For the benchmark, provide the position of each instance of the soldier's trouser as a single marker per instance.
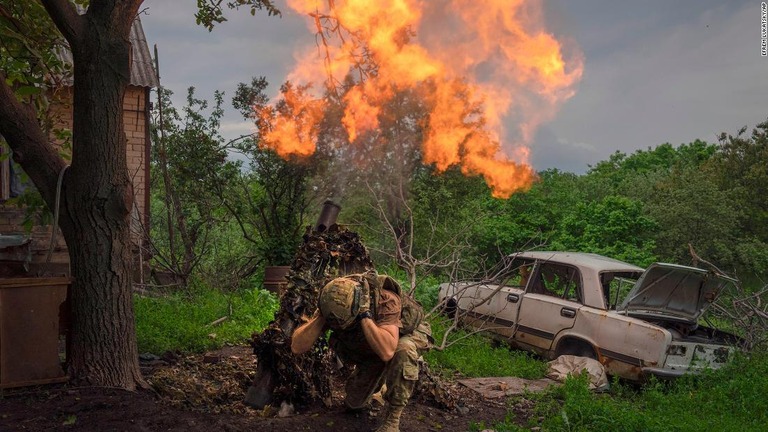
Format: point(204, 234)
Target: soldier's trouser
point(399, 374)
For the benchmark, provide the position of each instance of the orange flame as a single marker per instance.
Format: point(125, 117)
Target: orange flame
point(293, 128)
point(495, 53)
point(360, 114)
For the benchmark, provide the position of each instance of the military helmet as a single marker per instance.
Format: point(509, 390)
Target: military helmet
point(339, 302)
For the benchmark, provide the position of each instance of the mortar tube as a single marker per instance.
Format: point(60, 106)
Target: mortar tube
point(328, 216)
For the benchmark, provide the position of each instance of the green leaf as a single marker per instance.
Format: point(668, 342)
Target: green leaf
point(70, 420)
point(28, 91)
point(27, 224)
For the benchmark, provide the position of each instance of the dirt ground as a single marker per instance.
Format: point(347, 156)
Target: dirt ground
point(203, 393)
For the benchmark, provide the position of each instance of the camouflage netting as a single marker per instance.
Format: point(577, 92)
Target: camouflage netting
point(306, 378)
point(430, 389)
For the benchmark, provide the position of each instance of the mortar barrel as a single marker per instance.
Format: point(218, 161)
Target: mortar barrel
point(328, 216)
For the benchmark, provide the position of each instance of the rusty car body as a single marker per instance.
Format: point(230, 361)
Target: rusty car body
point(637, 322)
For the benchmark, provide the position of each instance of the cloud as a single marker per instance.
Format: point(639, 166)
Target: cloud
point(688, 80)
point(656, 71)
point(236, 50)
point(554, 152)
point(237, 128)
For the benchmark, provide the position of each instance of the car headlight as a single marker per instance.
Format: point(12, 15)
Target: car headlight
point(677, 350)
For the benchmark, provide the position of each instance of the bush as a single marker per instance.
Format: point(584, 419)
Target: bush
point(181, 322)
point(427, 286)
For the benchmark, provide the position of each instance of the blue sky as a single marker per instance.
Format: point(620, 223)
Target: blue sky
point(654, 72)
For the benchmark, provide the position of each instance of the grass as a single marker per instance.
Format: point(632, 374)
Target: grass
point(730, 399)
point(476, 355)
point(181, 322)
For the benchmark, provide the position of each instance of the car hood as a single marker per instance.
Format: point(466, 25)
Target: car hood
point(675, 292)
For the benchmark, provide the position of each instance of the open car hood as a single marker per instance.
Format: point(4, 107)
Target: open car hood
point(669, 291)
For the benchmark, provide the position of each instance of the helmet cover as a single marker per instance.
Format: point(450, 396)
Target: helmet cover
point(339, 302)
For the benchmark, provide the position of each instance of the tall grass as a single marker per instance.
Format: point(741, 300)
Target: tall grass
point(181, 322)
point(476, 355)
point(730, 399)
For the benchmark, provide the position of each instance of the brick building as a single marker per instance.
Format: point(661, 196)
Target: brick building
point(22, 251)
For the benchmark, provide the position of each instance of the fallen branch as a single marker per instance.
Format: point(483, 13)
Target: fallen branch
point(218, 321)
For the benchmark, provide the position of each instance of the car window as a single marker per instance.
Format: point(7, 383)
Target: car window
point(557, 280)
point(616, 286)
point(518, 274)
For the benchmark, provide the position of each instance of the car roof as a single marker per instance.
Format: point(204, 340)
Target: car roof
point(594, 262)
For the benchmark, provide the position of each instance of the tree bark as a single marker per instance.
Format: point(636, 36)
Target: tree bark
point(97, 194)
point(98, 200)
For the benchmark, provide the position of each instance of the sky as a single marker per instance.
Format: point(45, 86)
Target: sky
point(655, 71)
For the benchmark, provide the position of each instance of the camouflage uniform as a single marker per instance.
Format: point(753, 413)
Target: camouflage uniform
point(399, 374)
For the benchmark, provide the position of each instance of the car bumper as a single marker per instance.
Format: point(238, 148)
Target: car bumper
point(662, 373)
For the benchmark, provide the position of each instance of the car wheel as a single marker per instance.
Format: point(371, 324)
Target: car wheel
point(577, 348)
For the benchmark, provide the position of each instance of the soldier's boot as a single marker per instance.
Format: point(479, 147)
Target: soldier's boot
point(391, 420)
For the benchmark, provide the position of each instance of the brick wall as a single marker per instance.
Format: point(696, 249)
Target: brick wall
point(136, 125)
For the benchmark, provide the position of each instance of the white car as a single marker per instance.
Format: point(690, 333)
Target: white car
point(636, 322)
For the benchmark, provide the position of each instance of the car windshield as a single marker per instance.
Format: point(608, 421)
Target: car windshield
point(616, 286)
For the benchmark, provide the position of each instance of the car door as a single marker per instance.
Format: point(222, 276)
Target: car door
point(493, 306)
point(506, 301)
point(504, 309)
point(549, 305)
point(475, 303)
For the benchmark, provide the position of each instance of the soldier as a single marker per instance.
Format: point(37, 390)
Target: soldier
point(383, 339)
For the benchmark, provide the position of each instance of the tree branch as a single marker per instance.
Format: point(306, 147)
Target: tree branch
point(20, 128)
point(66, 18)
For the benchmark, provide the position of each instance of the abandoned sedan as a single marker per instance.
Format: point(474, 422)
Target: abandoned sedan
point(636, 322)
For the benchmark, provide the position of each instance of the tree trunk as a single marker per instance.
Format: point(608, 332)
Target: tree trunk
point(98, 198)
point(96, 194)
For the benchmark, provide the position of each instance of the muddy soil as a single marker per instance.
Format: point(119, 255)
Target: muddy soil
point(203, 393)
